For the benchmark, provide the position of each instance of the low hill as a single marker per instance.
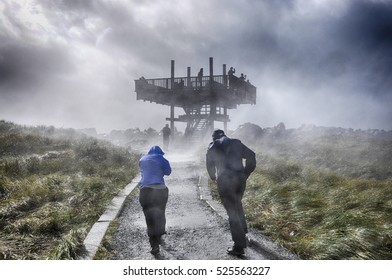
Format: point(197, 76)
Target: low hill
point(54, 184)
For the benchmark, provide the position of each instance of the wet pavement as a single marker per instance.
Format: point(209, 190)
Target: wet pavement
point(197, 228)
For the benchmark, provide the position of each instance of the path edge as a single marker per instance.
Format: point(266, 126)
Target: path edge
point(98, 230)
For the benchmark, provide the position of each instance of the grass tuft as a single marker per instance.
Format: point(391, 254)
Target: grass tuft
point(70, 247)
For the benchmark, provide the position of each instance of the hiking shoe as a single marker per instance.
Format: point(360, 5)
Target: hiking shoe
point(155, 250)
point(235, 251)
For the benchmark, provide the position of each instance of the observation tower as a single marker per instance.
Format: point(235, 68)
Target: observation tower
point(203, 99)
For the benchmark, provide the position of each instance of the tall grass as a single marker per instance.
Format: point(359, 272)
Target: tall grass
point(53, 189)
point(318, 213)
point(70, 247)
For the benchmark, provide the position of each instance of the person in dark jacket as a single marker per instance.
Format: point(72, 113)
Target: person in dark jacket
point(224, 166)
point(154, 194)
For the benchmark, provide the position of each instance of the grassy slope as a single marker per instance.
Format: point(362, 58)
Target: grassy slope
point(324, 195)
point(54, 184)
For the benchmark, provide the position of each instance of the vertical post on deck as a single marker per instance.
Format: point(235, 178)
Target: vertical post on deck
point(172, 75)
point(213, 103)
point(211, 69)
point(225, 108)
point(224, 75)
point(225, 122)
point(172, 105)
point(189, 77)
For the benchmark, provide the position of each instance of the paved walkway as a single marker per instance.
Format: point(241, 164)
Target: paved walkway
point(197, 226)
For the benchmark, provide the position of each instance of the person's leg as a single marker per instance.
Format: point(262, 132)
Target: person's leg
point(227, 188)
point(240, 192)
point(154, 202)
point(165, 143)
point(147, 206)
point(151, 214)
point(236, 226)
point(241, 214)
point(161, 197)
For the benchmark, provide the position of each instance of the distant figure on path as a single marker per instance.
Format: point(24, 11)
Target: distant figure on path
point(154, 194)
point(166, 131)
point(225, 167)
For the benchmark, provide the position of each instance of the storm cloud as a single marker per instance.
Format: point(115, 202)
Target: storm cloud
point(73, 63)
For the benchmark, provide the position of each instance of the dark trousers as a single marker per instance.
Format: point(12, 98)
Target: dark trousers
point(231, 188)
point(153, 202)
point(166, 141)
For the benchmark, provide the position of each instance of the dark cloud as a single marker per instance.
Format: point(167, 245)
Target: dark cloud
point(23, 67)
point(367, 26)
point(327, 63)
point(366, 32)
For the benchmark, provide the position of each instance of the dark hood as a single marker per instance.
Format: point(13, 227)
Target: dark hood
point(224, 139)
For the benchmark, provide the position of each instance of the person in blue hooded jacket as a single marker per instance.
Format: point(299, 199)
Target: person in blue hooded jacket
point(154, 194)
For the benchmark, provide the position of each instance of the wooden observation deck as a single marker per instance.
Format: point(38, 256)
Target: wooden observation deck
point(204, 99)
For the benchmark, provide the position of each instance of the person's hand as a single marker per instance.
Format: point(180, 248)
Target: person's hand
point(214, 180)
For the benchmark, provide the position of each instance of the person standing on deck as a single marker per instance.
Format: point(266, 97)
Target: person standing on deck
point(200, 78)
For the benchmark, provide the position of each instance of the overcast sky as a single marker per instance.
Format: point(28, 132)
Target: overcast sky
point(73, 63)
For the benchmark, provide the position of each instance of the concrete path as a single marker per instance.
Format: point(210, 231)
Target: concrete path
point(197, 226)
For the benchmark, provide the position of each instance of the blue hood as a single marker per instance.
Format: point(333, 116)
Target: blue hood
point(153, 167)
point(155, 150)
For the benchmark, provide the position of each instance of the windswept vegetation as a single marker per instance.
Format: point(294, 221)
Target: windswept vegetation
point(54, 184)
point(323, 193)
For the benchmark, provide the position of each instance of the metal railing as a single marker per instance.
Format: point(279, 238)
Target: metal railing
point(235, 85)
point(199, 82)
